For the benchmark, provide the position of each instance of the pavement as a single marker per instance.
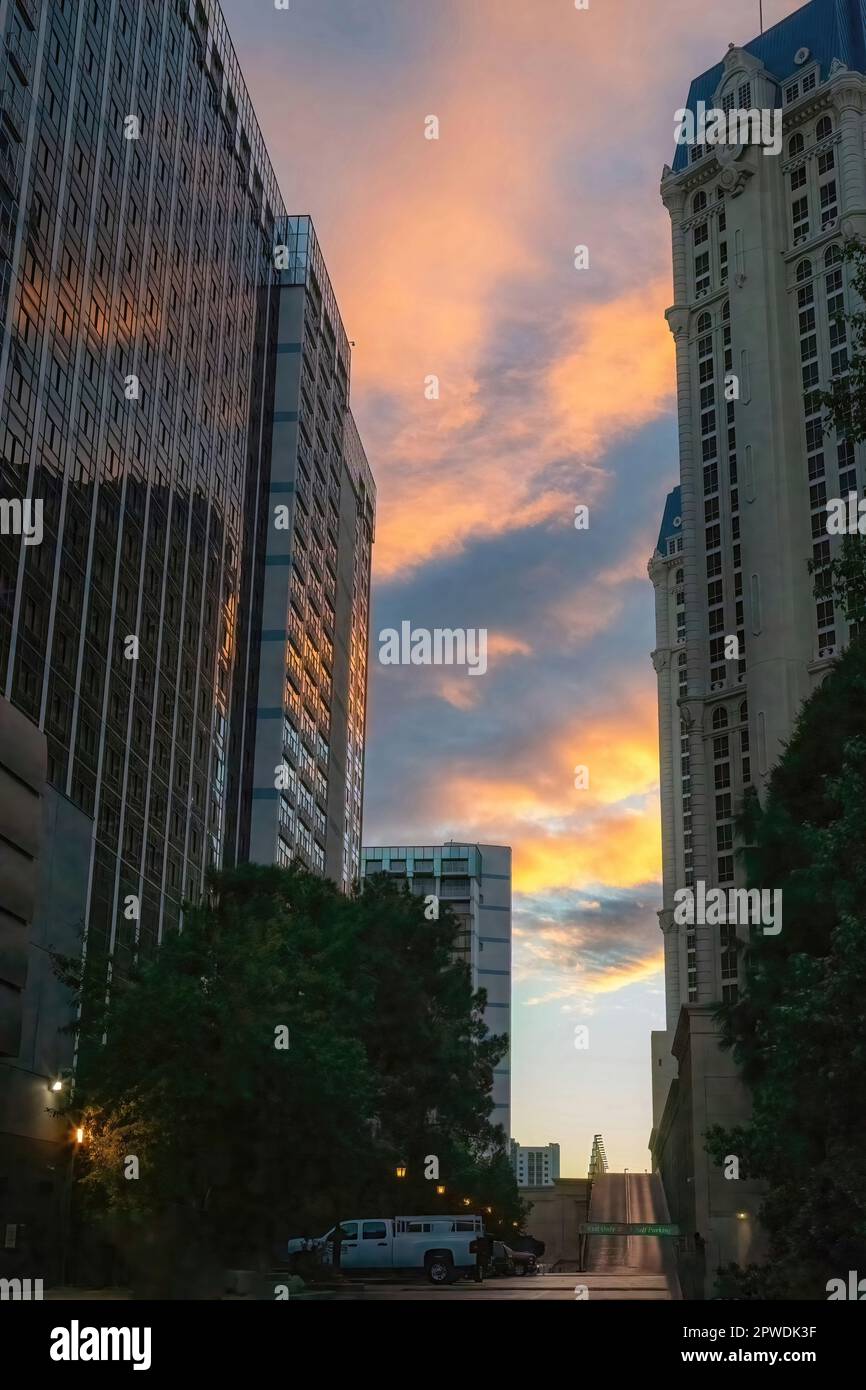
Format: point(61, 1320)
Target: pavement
point(631, 1197)
point(624, 1284)
point(71, 1293)
point(612, 1284)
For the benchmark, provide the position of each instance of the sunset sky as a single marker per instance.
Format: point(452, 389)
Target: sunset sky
point(455, 257)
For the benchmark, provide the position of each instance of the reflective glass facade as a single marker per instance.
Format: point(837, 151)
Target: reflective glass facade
point(140, 313)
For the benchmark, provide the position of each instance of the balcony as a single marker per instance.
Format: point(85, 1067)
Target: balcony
point(455, 888)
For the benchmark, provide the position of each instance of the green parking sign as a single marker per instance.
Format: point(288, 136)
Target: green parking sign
point(626, 1228)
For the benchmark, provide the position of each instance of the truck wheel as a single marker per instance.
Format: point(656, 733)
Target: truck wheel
point(440, 1269)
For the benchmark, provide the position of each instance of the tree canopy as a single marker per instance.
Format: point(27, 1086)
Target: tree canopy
point(274, 1062)
point(798, 1030)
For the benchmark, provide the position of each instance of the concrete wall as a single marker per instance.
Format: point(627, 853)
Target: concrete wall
point(723, 1211)
point(23, 763)
point(555, 1216)
point(34, 1145)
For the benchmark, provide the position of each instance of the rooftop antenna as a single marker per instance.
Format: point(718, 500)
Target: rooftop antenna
point(761, 14)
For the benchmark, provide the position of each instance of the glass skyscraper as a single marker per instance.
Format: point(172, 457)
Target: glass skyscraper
point(174, 413)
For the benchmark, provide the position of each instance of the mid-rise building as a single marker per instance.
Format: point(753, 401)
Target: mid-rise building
point(186, 512)
point(475, 883)
point(535, 1165)
point(741, 638)
point(303, 720)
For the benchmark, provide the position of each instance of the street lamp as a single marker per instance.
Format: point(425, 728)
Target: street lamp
point(56, 1085)
point(440, 1190)
point(400, 1170)
point(79, 1135)
point(467, 1201)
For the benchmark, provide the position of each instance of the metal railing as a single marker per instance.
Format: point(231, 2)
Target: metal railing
point(597, 1158)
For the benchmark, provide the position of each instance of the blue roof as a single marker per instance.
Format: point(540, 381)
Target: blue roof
point(672, 519)
point(828, 28)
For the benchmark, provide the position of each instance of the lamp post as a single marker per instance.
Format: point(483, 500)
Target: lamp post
point(67, 1214)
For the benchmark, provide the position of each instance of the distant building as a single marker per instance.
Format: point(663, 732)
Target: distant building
point(535, 1166)
point(475, 882)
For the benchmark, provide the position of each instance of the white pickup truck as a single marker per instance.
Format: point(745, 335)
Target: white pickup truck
point(442, 1246)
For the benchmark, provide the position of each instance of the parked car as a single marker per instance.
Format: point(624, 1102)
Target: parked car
point(506, 1261)
point(500, 1259)
point(524, 1261)
point(443, 1247)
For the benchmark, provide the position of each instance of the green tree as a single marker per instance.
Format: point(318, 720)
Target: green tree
point(798, 1031)
point(844, 578)
point(268, 1068)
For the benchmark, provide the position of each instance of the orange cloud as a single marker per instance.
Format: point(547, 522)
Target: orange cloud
point(620, 851)
point(561, 837)
point(616, 373)
point(457, 251)
point(612, 374)
point(606, 981)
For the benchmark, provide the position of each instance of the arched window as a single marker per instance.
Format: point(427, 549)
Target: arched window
point(680, 576)
point(833, 255)
point(720, 718)
point(705, 323)
point(699, 202)
point(726, 311)
point(744, 711)
point(796, 144)
point(823, 128)
point(804, 271)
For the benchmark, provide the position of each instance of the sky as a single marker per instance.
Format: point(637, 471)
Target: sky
point(454, 258)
